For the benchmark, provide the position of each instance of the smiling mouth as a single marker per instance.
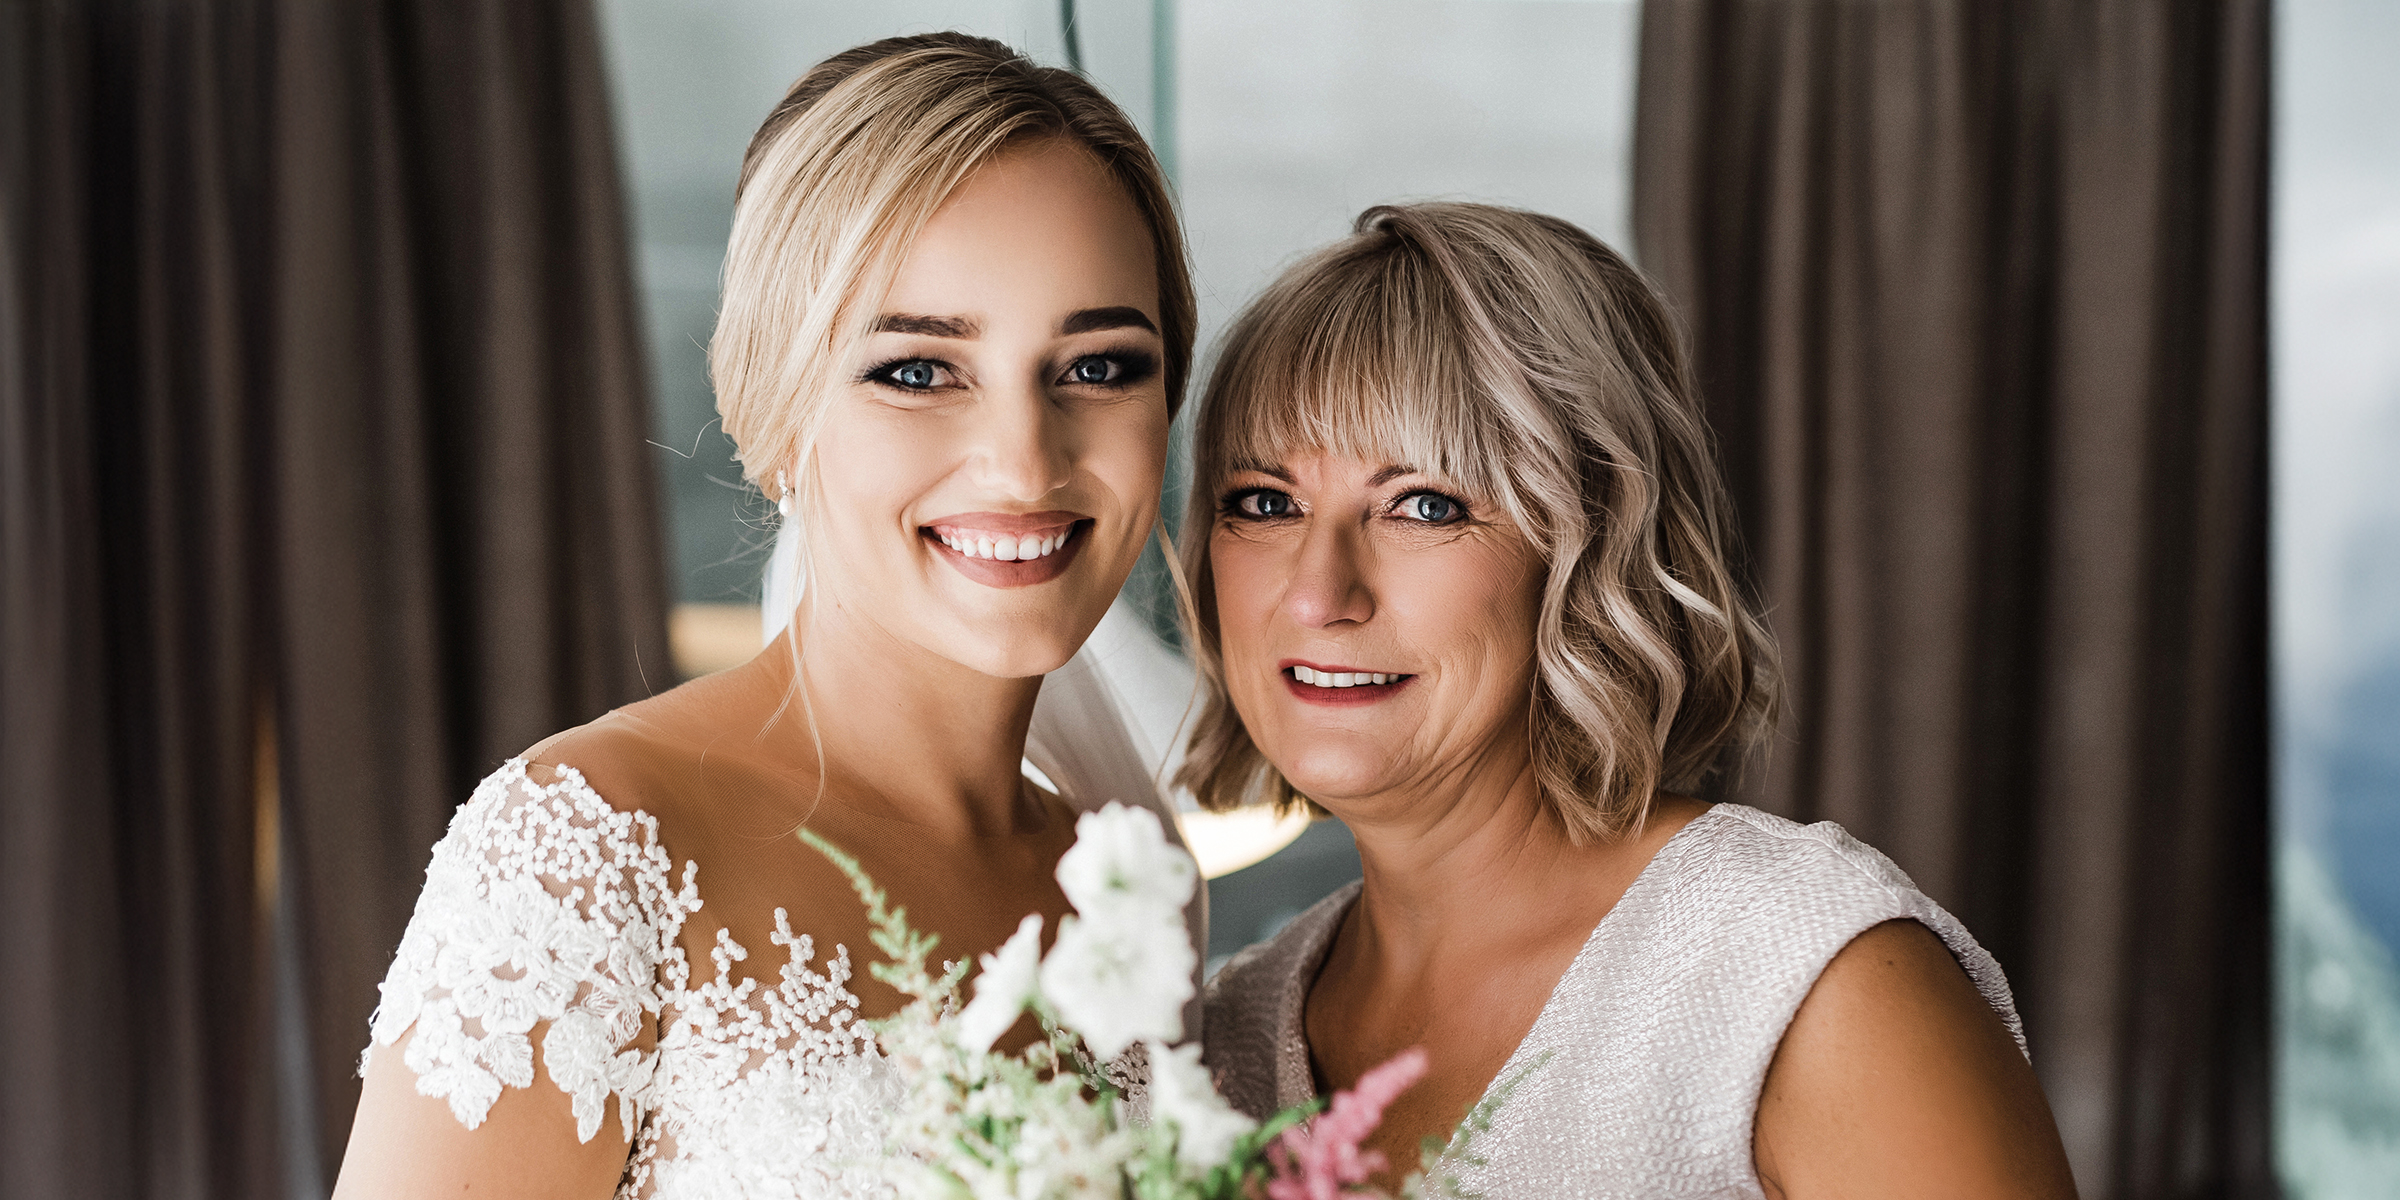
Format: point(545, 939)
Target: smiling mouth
point(1346, 687)
point(1313, 677)
point(1018, 553)
point(1004, 546)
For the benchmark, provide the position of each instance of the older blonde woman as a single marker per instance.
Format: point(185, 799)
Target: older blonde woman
point(1459, 555)
point(955, 325)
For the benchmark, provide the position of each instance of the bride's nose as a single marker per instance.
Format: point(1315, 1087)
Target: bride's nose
point(1023, 449)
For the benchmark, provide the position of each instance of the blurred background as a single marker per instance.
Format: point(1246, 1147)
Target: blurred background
point(355, 433)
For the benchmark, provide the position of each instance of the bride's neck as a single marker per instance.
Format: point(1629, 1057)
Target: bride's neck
point(903, 730)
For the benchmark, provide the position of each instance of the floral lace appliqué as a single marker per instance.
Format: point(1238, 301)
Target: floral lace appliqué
point(546, 909)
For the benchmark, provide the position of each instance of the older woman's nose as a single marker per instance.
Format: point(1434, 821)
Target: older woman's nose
point(1329, 586)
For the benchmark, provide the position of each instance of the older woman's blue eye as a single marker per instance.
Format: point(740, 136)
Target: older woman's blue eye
point(1095, 370)
point(1430, 508)
point(1265, 504)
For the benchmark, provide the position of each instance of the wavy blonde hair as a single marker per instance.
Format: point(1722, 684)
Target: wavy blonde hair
point(1518, 356)
point(837, 184)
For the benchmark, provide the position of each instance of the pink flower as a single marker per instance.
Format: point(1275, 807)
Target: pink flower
point(1321, 1160)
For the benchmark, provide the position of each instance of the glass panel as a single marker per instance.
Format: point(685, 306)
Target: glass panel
point(2336, 313)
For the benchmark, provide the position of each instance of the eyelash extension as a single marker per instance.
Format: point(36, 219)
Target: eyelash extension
point(1138, 366)
point(1230, 504)
point(1465, 514)
point(876, 373)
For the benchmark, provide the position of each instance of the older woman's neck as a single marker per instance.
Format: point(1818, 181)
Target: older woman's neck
point(1441, 871)
point(1446, 845)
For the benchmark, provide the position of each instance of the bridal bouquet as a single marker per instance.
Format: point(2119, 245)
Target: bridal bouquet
point(1047, 1121)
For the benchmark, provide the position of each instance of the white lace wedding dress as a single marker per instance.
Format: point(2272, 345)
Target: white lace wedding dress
point(549, 929)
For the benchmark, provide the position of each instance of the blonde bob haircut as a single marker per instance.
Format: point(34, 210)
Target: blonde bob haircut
point(837, 184)
point(1516, 356)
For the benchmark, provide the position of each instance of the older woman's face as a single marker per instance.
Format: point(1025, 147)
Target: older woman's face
point(1377, 625)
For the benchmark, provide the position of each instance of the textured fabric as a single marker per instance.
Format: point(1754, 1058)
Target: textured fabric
point(1641, 1075)
point(323, 489)
point(550, 934)
point(1977, 298)
point(549, 926)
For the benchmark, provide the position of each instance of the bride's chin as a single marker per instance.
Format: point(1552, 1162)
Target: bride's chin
point(1013, 654)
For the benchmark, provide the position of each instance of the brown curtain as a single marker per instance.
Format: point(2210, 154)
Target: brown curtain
point(1976, 290)
point(322, 491)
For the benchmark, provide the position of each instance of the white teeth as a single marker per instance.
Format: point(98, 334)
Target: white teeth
point(1004, 547)
point(1339, 679)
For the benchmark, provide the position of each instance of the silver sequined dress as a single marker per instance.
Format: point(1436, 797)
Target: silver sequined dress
point(1659, 1034)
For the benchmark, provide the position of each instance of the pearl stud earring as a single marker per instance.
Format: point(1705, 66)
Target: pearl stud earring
point(783, 483)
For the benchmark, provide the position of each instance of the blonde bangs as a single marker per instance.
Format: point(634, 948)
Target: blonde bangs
point(1354, 355)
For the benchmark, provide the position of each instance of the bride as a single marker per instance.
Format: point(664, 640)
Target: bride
point(956, 322)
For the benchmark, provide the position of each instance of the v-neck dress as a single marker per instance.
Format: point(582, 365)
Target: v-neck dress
point(1641, 1075)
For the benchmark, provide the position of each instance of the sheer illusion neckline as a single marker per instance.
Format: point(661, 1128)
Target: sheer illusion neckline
point(1311, 962)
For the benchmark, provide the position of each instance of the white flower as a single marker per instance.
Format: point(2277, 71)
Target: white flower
point(1121, 858)
point(1008, 981)
point(1121, 980)
point(1182, 1096)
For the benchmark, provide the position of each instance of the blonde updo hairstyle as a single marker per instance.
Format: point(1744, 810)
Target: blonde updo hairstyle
point(834, 188)
point(1516, 355)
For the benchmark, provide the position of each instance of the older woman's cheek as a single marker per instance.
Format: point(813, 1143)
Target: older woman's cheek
point(1245, 605)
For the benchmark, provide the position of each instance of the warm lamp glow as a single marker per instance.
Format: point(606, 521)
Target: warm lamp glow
point(1225, 842)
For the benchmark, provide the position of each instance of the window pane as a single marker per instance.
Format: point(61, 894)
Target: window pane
point(2336, 313)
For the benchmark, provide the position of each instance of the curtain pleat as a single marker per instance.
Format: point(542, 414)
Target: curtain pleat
point(475, 526)
point(1976, 294)
point(322, 491)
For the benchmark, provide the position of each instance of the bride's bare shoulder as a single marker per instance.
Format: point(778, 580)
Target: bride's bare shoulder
point(677, 756)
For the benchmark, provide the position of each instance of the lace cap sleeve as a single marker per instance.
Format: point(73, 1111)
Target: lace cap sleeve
point(543, 905)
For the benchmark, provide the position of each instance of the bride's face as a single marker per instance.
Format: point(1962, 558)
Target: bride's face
point(991, 460)
point(1376, 625)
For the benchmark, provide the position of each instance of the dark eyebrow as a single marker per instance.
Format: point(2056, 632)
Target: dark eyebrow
point(918, 323)
point(1389, 474)
point(1091, 320)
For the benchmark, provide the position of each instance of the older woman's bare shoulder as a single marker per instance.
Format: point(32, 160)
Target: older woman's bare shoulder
point(1895, 1077)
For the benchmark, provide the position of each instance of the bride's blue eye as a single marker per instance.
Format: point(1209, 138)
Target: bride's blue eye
point(909, 374)
point(1264, 504)
point(1095, 369)
point(1115, 369)
point(1433, 508)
